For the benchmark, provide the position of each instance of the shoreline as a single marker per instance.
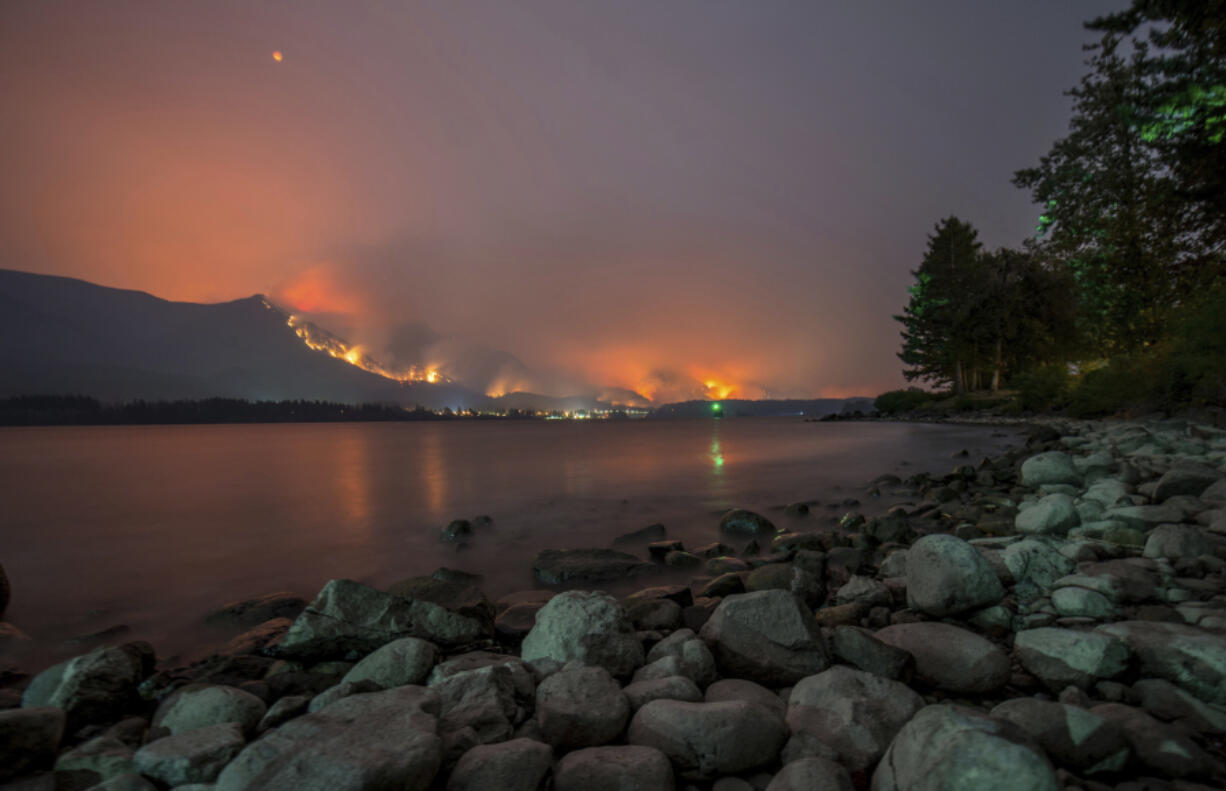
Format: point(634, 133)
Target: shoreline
point(1087, 542)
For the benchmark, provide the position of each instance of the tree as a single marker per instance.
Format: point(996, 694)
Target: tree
point(937, 341)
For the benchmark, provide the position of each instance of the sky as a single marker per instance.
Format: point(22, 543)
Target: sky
point(685, 198)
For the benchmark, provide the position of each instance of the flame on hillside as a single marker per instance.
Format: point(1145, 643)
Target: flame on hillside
point(319, 339)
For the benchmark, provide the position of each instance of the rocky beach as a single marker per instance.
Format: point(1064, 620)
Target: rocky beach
point(1051, 618)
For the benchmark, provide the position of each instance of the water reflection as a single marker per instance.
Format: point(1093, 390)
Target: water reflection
point(434, 470)
point(352, 476)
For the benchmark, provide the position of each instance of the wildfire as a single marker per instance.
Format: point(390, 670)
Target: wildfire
point(321, 340)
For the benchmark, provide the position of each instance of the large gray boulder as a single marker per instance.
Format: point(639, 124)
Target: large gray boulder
point(768, 636)
point(748, 691)
point(361, 742)
point(1063, 657)
point(98, 759)
point(949, 657)
point(1047, 468)
point(947, 576)
point(348, 618)
point(195, 756)
point(1160, 747)
point(858, 647)
point(515, 765)
point(581, 707)
point(483, 699)
point(201, 705)
point(641, 693)
point(1036, 562)
point(1186, 478)
point(1175, 542)
point(1073, 737)
point(1054, 514)
point(951, 747)
point(1186, 656)
point(856, 713)
point(615, 768)
point(682, 653)
point(28, 739)
point(709, 739)
point(397, 664)
point(738, 521)
point(588, 626)
point(92, 688)
point(587, 566)
point(1144, 517)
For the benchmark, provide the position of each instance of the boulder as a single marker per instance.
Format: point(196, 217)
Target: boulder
point(1077, 602)
point(856, 713)
point(283, 710)
point(951, 747)
point(654, 615)
point(811, 774)
point(515, 765)
point(1063, 657)
point(682, 653)
point(584, 566)
point(864, 591)
point(1186, 656)
point(483, 699)
point(1168, 702)
point(195, 756)
point(201, 705)
point(740, 689)
point(460, 596)
point(1185, 478)
point(948, 657)
point(1054, 514)
point(408, 660)
point(131, 781)
point(1053, 467)
point(1035, 561)
point(614, 768)
point(641, 693)
point(709, 739)
point(738, 521)
point(1175, 542)
point(28, 739)
point(1144, 517)
point(581, 707)
point(1159, 747)
point(643, 535)
point(947, 576)
point(348, 618)
point(769, 637)
point(588, 626)
point(372, 740)
point(1073, 737)
point(88, 764)
point(92, 688)
point(516, 621)
point(858, 647)
point(341, 690)
point(258, 640)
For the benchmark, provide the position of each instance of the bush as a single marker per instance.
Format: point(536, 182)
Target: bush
point(897, 401)
point(1043, 389)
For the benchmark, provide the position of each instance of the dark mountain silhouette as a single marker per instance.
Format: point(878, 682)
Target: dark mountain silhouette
point(62, 335)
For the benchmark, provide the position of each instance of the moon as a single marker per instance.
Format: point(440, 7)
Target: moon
point(277, 56)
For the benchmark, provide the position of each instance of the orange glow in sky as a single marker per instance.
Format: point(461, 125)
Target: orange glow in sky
point(277, 56)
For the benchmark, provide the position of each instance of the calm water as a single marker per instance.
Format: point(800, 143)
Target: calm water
point(153, 526)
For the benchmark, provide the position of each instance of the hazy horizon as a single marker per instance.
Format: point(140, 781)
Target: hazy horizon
point(683, 200)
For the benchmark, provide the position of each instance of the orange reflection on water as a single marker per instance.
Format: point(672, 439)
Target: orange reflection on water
point(353, 475)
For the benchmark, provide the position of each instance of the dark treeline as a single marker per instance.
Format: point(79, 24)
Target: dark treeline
point(1119, 300)
point(52, 410)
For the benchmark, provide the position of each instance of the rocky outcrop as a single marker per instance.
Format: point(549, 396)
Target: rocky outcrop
point(769, 637)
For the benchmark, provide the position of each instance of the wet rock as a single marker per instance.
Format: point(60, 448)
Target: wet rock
point(1060, 657)
point(950, 658)
point(1168, 702)
point(682, 560)
point(858, 647)
point(581, 707)
point(96, 760)
point(1144, 517)
point(769, 637)
point(947, 576)
point(659, 550)
point(1160, 747)
point(656, 532)
point(201, 705)
point(456, 530)
point(373, 740)
point(283, 710)
point(709, 739)
point(350, 618)
point(338, 691)
point(1035, 561)
point(724, 565)
point(739, 689)
point(811, 774)
point(865, 591)
point(954, 747)
point(249, 613)
point(1073, 737)
point(1053, 467)
point(535, 596)
point(1185, 478)
point(259, 639)
point(1184, 655)
point(93, 688)
point(724, 585)
point(483, 699)
point(741, 522)
point(28, 739)
point(616, 768)
point(640, 693)
point(575, 566)
point(408, 660)
point(1054, 514)
point(589, 626)
point(195, 756)
point(856, 713)
point(460, 597)
point(516, 621)
point(662, 615)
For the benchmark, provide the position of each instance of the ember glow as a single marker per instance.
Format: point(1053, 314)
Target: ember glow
point(319, 339)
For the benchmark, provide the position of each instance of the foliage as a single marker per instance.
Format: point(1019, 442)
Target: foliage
point(1044, 388)
point(896, 401)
